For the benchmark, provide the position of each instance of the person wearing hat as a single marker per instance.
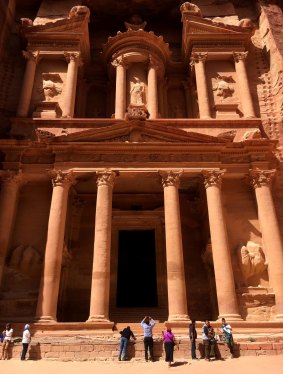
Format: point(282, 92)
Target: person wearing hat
point(25, 341)
point(169, 343)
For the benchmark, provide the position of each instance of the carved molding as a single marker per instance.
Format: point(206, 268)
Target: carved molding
point(106, 178)
point(63, 179)
point(259, 178)
point(213, 177)
point(170, 178)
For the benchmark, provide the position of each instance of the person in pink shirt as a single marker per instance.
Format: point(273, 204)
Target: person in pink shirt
point(169, 343)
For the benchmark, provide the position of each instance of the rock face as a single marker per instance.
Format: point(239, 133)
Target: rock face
point(122, 117)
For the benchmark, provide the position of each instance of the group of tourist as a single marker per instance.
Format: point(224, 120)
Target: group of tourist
point(6, 339)
point(208, 338)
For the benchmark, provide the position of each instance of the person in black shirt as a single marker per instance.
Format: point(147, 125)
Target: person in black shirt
point(125, 337)
point(193, 336)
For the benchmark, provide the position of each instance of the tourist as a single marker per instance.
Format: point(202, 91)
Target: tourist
point(212, 341)
point(25, 341)
point(228, 336)
point(193, 336)
point(169, 343)
point(7, 341)
point(125, 337)
point(205, 339)
point(147, 324)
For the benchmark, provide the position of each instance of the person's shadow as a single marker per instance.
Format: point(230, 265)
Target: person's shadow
point(179, 363)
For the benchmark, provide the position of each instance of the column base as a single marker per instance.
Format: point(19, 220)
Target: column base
point(45, 319)
point(230, 317)
point(98, 318)
point(178, 318)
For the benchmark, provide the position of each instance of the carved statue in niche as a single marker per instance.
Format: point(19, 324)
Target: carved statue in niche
point(25, 259)
point(251, 260)
point(51, 85)
point(137, 92)
point(135, 23)
point(223, 86)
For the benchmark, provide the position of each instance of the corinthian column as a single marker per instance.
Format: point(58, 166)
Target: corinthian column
point(50, 279)
point(243, 84)
point(11, 183)
point(261, 181)
point(121, 80)
point(26, 91)
point(198, 61)
point(177, 299)
point(99, 302)
point(152, 105)
point(73, 60)
point(224, 279)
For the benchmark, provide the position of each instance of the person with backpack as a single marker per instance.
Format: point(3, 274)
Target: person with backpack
point(169, 343)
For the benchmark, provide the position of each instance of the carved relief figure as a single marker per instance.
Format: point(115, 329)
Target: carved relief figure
point(51, 85)
point(24, 259)
point(79, 10)
point(137, 92)
point(190, 8)
point(251, 260)
point(223, 86)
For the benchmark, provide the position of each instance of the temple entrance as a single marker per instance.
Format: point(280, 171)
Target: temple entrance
point(136, 278)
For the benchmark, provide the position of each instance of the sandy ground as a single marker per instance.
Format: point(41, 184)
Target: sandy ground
point(243, 365)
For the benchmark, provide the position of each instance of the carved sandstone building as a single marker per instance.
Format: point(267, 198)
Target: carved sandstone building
point(137, 161)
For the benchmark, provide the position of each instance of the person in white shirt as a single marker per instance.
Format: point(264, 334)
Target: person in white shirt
point(26, 340)
point(7, 341)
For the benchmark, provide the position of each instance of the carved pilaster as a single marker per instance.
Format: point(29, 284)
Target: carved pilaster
point(198, 57)
point(120, 61)
point(259, 178)
point(12, 179)
point(72, 56)
point(171, 178)
point(213, 177)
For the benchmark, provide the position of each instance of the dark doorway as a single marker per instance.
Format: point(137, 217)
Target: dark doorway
point(137, 286)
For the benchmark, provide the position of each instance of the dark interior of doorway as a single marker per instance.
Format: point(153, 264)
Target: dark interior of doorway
point(137, 284)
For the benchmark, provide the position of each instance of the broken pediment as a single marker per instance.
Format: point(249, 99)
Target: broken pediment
point(138, 132)
point(199, 32)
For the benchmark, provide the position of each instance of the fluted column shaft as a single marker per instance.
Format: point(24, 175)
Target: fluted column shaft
point(8, 205)
point(224, 278)
point(152, 105)
point(50, 279)
point(99, 302)
point(198, 61)
point(121, 81)
point(243, 84)
point(73, 60)
point(28, 82)
point(261, 181)
point(177, 298)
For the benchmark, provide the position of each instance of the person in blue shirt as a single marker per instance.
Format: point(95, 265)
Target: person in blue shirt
point(147, 324)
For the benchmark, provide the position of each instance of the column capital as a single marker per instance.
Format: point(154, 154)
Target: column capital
point(170, 178)
point(63, 179)
point(153, 63)
point(13, 178)
point(213, 177)
point(259, 178)
point(106, 178)
point(72, 56)
point(31, 55)
point(198, 57)
point(120, 61)
point(238, 56)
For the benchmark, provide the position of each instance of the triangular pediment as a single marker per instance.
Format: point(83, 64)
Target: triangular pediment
point(201, 26)
point(138, 132)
